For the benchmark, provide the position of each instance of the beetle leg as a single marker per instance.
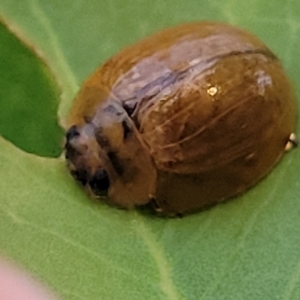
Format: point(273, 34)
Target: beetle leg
point(292, 142)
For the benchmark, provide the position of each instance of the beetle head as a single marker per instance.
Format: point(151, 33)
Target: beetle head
point(108, 156)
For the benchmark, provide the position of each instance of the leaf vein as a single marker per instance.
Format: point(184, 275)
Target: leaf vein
point(157, 253)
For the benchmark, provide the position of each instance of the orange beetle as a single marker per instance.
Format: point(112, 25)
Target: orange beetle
point(183, 119)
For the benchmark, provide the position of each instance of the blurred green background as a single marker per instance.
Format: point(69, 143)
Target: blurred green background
point(248, 248)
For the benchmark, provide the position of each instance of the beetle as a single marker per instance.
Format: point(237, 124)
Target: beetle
point(181, 120)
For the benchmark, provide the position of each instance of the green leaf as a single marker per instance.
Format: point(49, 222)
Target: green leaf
point(28, 99)
point(247, 248)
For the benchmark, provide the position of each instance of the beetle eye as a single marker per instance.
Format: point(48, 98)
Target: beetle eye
point(100, 182)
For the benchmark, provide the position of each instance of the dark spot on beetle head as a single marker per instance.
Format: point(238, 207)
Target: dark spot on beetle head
point(80, 175)
point(71, 152)
point(100, 183)
point(72, 133)
point(115, 163)
point(126, 130)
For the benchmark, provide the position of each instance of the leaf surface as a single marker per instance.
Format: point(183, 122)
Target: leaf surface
point(247, 248)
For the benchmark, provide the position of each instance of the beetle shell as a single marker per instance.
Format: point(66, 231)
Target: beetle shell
point(183, 119)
